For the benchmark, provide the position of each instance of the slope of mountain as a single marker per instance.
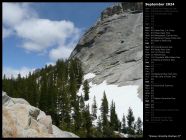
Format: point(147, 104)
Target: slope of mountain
point(113, 47)
point(20, 119)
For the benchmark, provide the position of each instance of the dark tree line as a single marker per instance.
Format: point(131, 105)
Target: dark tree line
point(54, 90)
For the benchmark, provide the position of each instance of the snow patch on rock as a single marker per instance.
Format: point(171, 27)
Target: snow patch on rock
point(89, 76)
point(124, 97)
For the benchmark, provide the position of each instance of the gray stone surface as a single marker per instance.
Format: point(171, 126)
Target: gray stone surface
point(6, 100)
point(58, 133)
point(20, 119)
point(113, 47)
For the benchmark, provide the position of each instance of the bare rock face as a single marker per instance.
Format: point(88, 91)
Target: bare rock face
point(20, 119)
point(110, 11)
point(113, 47)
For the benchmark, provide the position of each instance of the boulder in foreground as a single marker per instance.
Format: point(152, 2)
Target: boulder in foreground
point(20, 119)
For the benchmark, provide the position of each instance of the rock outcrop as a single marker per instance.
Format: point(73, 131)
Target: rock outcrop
point(113, 47)
point(20, 119)
point(120, 8)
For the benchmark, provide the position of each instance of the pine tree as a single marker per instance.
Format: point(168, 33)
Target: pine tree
point(119, 126)
point(77, 116)
point(19, 87)
point(130, 122)
point(88, 121)
point(65, 110)
point(139, 124)
point(31, 90)
point(114, 122)
point(51, 99)
point(99, 132)
point(104, 110)
point(82, 103)
point(73, 90)
point(72, 83)
point(77, 69)
point(11, 88)
point(124, 128)
point(86, 90)
point(80, 74)
point(43, 105)
point(112, 113)
point(107, 130)
point(104, 105)
point(61, 73)
point(99, 124)
point(94, 108)
point(81, 119)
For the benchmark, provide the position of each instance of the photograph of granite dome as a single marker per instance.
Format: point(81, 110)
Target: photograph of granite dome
point(72, 70)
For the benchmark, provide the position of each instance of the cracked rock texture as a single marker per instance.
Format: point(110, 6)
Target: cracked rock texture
point(113, 47)
point(20, 119)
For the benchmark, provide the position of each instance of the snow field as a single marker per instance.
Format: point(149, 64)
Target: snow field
point(124, 97)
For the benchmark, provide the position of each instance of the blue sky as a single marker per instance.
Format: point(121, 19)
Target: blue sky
point(36, 34)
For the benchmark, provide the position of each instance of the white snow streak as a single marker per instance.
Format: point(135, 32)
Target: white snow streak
point(89, 76)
